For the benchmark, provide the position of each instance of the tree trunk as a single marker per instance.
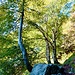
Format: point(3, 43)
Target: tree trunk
point(48, 52)
point(22, 48)
point(54, 48)
point(47, 44)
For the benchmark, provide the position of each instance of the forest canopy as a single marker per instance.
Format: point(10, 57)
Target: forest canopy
point(45, 28)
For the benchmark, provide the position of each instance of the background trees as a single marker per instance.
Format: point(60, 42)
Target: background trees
point(42, 32)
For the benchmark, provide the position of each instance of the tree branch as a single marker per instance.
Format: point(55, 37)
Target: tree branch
point(42, 31)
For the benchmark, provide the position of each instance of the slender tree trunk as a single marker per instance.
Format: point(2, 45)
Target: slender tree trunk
point(48, 52)
point(54, 48)
point(47, 46)
point(22, 48)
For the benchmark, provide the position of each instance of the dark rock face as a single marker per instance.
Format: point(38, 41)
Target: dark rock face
point(54, 69)
point(47, 69)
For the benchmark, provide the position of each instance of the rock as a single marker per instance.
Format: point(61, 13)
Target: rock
point(47, 69)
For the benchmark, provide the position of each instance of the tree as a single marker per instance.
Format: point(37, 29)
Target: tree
point(54, 25)
point(24, 53)
point(68, 44)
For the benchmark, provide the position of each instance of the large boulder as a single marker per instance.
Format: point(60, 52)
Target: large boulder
point(47, 69)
